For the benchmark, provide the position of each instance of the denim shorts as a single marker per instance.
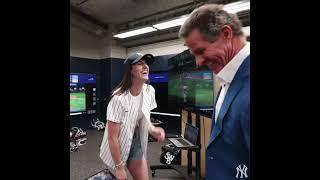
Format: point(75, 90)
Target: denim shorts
point(135, 150)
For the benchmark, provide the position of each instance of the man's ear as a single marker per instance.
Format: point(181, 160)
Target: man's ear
point(226, 32)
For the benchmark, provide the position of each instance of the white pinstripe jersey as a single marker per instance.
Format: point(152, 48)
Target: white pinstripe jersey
point(120, 110)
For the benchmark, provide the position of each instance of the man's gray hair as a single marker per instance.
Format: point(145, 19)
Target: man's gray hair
point(210, 19)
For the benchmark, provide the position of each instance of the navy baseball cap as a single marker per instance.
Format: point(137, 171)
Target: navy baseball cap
point(136, 57)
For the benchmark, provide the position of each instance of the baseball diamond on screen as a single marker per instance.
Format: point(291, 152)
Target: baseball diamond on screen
point(77, 101)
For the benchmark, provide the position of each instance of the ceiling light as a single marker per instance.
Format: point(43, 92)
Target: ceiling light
point(135, 32)
point(171, 23)
point(237, 6)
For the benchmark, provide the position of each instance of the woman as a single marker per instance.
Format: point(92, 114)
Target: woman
point(125, 139)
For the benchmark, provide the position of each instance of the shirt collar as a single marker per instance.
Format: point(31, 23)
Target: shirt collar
point(228, 72)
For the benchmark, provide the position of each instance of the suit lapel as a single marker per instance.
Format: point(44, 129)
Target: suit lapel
point(231, 94)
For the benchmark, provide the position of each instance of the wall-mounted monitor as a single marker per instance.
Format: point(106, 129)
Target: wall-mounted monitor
point(192, 88)
point(160, 77)
point(83, 93)
point(82, 79)
point(188, 85)
point(77, 102)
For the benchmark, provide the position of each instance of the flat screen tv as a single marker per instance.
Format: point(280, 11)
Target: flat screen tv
point(192, 88)
point(77, 101)
point(83, 93)
point(77, 79)
point(159, 77)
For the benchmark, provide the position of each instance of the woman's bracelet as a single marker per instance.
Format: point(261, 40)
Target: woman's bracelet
point(120, 164)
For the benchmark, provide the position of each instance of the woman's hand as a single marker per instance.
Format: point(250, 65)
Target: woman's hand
point(121, 173)
point(158, 133)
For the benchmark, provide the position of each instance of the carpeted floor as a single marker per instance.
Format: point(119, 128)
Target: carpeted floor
point(86, 162)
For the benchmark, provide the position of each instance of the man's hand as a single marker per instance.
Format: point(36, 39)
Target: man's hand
point(158, 133)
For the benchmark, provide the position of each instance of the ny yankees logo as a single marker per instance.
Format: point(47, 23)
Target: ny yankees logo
point(168, 157)
point(243, 171)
